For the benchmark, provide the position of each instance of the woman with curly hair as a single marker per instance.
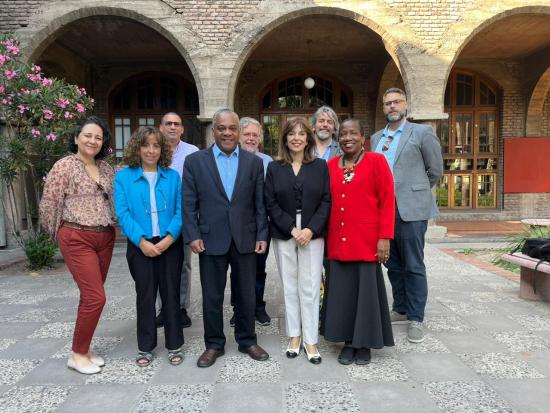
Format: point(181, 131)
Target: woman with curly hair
point(76, 209)
point(148, 209)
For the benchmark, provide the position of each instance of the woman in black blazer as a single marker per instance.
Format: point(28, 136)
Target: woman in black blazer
point(297, 196)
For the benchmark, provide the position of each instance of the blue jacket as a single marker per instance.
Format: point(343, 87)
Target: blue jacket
point(132, 203)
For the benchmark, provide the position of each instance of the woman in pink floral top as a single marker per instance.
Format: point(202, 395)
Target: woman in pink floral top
point(77, 211)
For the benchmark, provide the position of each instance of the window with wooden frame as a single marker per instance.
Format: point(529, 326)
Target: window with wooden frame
point(469, 142)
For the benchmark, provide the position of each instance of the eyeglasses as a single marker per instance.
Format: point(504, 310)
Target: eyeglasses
point(170, 123)
point(103, 192)
point(393, 102)
point(148, 211)
point(386, 145)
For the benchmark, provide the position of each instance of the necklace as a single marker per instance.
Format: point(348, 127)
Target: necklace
point(349, 170)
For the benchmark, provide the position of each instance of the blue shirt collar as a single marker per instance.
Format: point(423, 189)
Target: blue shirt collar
point(139, 172)
point(398, 131)
point(217, 151)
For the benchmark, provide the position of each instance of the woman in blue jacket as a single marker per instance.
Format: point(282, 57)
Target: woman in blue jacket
point(148, 209)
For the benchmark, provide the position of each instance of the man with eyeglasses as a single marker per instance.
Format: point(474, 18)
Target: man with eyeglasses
point(172, 128)
point(251, 137)
point(414, 155)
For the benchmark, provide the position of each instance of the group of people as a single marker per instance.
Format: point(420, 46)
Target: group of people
point(327, 205)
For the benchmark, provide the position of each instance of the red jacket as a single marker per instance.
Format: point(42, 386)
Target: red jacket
point(363, 211)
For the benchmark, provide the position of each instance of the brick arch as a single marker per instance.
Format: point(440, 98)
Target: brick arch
point(390, 78)
point(42, 31)
point(536, 105)
point(245, 43)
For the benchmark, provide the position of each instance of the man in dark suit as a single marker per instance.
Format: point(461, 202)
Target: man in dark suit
point(413, 153)
point(225, 223)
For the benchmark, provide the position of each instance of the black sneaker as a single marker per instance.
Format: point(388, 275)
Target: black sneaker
point(262, 318)
point(185, 320)
point(232, 320)
point(159, 321)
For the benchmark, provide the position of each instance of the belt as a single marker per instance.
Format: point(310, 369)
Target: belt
point(97, 228)
point(298, 211)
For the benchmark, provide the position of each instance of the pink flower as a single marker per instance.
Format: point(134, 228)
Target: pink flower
point(26, 92)
point(4, 59)
point(62, 103)
point(48, 114)
point(2, 89)
point(6, 102)
point(36, 69)
point(10, 74)
point(22, 108)
point(14, 50)
point(46, 82)
point(80, 90)
point(51, 136)
point(80, 108)
point(34, 77)
point(35, 132)
point(68, 115)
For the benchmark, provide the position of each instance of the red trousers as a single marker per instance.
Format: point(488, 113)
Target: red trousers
point(88, 255)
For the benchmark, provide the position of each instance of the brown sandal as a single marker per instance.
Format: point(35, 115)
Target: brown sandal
point(144, 358)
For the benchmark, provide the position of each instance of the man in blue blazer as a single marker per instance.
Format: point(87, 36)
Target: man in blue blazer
point(225, 222)
point(414, 155)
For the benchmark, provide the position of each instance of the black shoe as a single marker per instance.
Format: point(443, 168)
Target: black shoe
point(362, 356)
point(262, 318)
point(232, 320)
point(347, 356)
point(159, 321)
point(185, 320)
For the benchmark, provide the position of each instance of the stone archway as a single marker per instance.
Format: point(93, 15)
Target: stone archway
point(536, 105)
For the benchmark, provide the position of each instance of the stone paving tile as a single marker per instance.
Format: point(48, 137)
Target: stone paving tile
point(36, 314)
point(436, 367)
point(124, 371)
point(517, 341)
point(532, 322)
point(193, 345)
point(492, 297)
point(500, 366)
point(379, 369)
point(327, 397)
point(466, 396)
point(430, 345)
point(116, 312)
point(32, 399)
point(53, 372)
point(247, 397)
point(184, 398)
point(465, 308)
point(5, 343)
point(526, 395)
point(11, 371)
point(54, 330)
point(447, 323)
point(99, 345)
point(115, 398)
point(26, 299)
point(242, 369)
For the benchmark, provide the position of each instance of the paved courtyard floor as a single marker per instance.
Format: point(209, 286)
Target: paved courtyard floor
point(486, 351)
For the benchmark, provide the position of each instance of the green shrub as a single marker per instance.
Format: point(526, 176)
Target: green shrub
point(40, 251)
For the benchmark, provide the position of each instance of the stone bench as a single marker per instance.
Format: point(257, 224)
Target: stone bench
point(534, 285)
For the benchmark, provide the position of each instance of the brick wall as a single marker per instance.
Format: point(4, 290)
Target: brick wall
point(545, 124)
point(14, 14)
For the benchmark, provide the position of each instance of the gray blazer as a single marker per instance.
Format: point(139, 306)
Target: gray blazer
point(418, 167)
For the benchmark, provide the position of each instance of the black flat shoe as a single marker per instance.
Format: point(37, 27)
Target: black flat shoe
point(362, 356)
point(346, 356)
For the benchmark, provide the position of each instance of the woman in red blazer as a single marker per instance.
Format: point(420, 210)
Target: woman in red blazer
point(360, 227)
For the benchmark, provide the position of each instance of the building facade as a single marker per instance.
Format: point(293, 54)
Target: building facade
point(477, 70)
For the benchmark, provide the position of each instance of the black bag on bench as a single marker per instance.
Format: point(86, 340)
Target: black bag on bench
point(538, 248)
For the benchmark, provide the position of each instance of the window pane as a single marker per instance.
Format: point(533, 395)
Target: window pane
point(122, 134)
point(459, 164)
point(146, 93)
point(461, 191)
point(168, 93)
point(488, 164)
point(290, 93)
point(442, 192)
point(487, 132)
point(442, 130)
point(486, 191)
point(271, 125)
point(321, 93)
point(266, 101)
point(464, 89)
point(486, 95)
point(122, 100)
point(463, 132)
point(146, 121)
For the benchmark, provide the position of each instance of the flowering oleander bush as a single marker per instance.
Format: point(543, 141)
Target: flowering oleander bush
point(38, 111)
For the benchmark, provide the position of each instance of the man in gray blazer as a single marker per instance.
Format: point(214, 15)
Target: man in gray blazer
point(325, 127)
point(414, 155)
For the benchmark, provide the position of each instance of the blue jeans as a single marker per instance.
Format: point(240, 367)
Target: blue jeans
point(406, 269)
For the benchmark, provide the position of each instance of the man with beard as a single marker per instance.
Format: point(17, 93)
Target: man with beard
point(325, 126)
point(172, 128)
point(413, 153)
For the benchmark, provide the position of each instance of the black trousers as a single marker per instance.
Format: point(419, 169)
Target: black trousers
point(213, 272)
point(150, 274)
point(261, 275)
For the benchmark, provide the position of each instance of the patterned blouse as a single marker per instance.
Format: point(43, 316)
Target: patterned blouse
point(70, 194)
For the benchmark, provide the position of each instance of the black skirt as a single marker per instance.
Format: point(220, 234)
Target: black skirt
point(357, 306)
